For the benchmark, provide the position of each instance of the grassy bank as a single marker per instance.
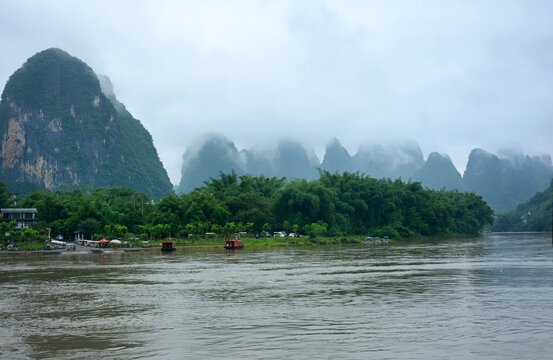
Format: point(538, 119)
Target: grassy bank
point(27, 246)
point(271, 242)
point(279, 242)
point(309, 241)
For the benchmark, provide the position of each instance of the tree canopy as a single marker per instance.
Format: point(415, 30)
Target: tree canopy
point(533, 215)
point(333, 205)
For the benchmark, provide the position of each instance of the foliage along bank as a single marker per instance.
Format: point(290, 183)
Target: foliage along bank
point(533, 215)
point(333, 205)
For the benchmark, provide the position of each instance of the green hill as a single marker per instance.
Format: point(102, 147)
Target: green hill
point(533, 215)
point(61, 129)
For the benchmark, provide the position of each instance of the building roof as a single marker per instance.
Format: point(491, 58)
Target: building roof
point(18, 210)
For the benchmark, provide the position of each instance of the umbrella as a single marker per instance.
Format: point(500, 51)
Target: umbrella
point(104, 241)
point(115, 241)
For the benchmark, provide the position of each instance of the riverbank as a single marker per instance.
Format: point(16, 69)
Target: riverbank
point(278, 241)
point(39, 248)
point(250, 242)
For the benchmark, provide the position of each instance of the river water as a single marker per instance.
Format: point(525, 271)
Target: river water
point(489, 297)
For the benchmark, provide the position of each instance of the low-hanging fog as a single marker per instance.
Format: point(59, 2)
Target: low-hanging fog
point(450, 75)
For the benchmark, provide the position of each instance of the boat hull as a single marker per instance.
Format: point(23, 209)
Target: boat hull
point(233, 247)
point(167, 246)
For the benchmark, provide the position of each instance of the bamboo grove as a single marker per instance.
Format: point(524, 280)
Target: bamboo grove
point(333, 205)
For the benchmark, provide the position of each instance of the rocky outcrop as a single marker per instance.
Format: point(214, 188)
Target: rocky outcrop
point(58, 129)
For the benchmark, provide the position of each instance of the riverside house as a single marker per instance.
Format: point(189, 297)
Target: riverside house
point(24, 217)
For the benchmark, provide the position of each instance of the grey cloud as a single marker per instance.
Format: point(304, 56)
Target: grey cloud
point(451, 75)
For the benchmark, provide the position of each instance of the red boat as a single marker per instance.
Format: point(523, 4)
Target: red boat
point(234, 244)
point(168, 246)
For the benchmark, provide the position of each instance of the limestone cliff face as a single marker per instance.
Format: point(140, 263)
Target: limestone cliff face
point(58, 129)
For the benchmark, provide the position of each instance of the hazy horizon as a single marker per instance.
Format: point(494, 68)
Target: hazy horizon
point(452, 76)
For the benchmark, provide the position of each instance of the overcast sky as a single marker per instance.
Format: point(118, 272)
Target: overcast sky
point(451, 75)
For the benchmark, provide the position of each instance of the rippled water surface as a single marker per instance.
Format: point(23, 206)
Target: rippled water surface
point(489, 297)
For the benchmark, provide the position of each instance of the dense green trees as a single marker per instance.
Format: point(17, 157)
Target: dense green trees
point(4, 196)
point(335, 204)
point(533, 215)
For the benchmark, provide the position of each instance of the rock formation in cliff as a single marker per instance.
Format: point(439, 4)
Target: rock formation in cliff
point(60, 128)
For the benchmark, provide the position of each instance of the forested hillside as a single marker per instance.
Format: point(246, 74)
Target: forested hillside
point(60, 129)
point(533, 215)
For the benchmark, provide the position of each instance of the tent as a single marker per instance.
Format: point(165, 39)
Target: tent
point(102, 243)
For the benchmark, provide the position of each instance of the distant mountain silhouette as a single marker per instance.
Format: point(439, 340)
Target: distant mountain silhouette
point(259, 162)
point(390, 161)
point(438, 172)
point(217, 153)
point(337, 158)
point(506, 182)
point(292, 161)
point(502, 181)
point(206, 159)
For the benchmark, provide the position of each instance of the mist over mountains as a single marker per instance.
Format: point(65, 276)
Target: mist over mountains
point(506, 181)
point(503, 180)
point(215, 153)
point(378, 161)
point(61, 126)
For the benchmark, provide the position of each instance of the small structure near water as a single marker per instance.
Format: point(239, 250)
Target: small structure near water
point(375, 240)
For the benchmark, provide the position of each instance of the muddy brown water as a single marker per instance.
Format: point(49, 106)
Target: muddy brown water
point(487, 297)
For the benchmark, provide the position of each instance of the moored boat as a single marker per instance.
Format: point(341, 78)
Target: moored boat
point(168, 246)
point(234, 244)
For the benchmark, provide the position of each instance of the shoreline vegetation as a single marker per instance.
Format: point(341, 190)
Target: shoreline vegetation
point(336, 208)
point(269, 242)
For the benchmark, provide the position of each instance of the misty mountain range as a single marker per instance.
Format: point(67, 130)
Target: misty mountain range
point(503, 182)
point(61, 126)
